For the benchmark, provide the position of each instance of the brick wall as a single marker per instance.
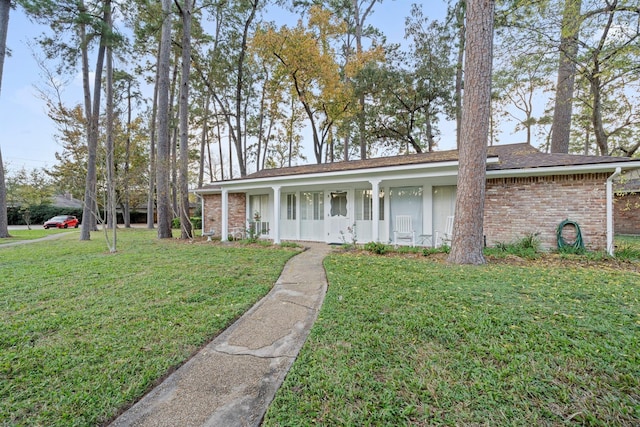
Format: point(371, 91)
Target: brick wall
point(515, 207)
point(213, 212)
point(626, 210)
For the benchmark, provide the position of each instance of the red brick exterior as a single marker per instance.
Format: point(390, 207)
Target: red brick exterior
point(213, 212)
point(515, 207)
point(627, 213)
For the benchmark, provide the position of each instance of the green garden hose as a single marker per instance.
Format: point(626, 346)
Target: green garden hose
point(578, 244)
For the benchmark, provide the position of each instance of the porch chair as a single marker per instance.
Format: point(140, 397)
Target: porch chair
point(404, 230)
point(448, 231)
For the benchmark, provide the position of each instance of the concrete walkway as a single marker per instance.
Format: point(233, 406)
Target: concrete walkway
point(232, 381)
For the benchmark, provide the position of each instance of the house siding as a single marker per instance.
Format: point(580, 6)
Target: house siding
point(515, 207)
point(237, 203)
point(627, 213)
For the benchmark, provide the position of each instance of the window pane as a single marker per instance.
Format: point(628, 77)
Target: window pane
point(339, 204)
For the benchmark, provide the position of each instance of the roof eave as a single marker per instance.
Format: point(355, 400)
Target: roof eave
point(563, 170)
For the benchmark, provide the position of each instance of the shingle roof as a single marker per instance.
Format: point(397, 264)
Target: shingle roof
point(509, 156)
point(524, 156)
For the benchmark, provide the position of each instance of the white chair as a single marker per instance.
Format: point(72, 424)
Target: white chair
point(448, 231)
point(404, 230)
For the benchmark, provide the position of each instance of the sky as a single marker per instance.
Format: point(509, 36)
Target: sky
point(27, 133)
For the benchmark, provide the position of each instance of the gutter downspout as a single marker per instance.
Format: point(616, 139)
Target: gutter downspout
point(610, 248)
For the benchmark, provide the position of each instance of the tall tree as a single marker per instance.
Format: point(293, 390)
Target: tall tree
point(186, 11)
point(467, 242)
point(309, 61)
point(163, 167)
point(112, 218)
point(5, 7)
point(457, 13)
point(570, 29)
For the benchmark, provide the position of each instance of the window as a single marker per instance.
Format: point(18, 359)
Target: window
point(312, 205)
point(258, 207)
point(290, 208)
point(339, 203)
point(364, 205)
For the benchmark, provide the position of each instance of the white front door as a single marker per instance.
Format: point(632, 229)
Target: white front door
point(339, 218)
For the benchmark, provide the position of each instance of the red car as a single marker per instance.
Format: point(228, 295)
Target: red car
point(62, 221)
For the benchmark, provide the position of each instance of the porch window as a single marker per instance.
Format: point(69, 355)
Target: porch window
point(407, 201)
point(364, 205)
point(289, 208)
point(259, 214)
point(312, 205)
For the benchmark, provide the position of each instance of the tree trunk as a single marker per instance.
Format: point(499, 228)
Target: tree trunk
point(112, 218)
point(126, 213)
point(570, 27)
point(90, 211)
point(185, 221)
point(151, 200)
point(163, 169)
point(467, 243)
point(242, 161)
point(4, 220)
point(5, 7)
point(460, 13)
point(204, 143)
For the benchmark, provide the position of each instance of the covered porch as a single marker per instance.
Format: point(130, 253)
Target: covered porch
point(361, 211)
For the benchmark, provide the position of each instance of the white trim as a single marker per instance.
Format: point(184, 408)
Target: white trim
point(610, 231)
point(563, 170)
point(224, 227)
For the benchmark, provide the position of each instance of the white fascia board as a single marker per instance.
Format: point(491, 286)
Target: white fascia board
point(563, 170)
point(336, 177)
point(201, 191)
point(419, 170)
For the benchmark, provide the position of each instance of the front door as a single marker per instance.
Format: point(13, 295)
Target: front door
point(338, 218)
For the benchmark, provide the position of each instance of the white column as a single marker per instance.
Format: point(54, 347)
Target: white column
point(275, 227)
point(224, 227)
point(375, 207)
point(610, 231)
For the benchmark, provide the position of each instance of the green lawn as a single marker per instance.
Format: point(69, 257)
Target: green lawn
point(410, 341)
point(36, 232)
point(84, 332)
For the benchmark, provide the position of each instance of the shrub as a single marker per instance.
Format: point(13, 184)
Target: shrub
point(289, 245)
point(526, 247)
point(196, 222)
point(376, 248)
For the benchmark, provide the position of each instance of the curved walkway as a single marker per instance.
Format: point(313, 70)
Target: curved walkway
point(232, 381)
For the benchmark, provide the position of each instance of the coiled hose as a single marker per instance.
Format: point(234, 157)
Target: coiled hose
point(577, 244)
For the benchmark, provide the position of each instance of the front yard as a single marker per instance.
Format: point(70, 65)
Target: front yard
point(84, 332)
point(410, 341)
point(400, 340)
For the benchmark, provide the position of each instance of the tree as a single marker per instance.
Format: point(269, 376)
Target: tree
point(185, 223)
point(467, 242)
point(308, 60)
point(415, 88)
point(164, 139)
point(5, 7)
point(570, 29)
point(456, 13)
point(28, 189)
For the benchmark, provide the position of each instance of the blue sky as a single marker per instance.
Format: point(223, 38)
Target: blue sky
point(27, 133)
